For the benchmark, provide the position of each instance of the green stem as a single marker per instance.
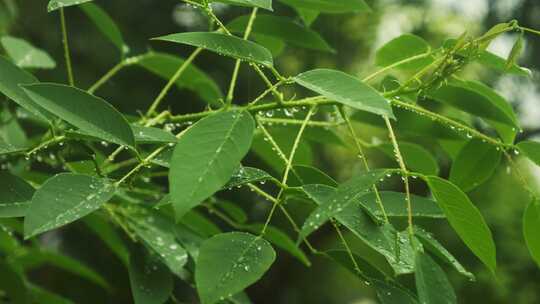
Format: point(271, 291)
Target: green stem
point(67, 56)
point(394, 65)
point(107, 76)
point(230, 94)
point(362, 156)
point(172, 81)
point(405, 175)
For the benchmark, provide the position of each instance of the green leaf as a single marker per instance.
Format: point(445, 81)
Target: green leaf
point(7, 148)
point(346, 89)
point(151, 281)
point(13, 283)
point(206, 156)
point(281, 240)
point(305, 175)
point(222, 44)
point(531, 149)
point(416, 157)
point(395, 205)
point(499, 64)
point(388, 292)
point(459, 95)
point(531, 226)
point(394, 246)
point(236, 213)
point(228, 263)
point(465, 218)
point(165, 66)
point(43, 296)
point(87, 112)
point(344, 195)
point(15, 196)
point(25, 55)
point(284, 29)
point(63, 199)
point(475, 164)
point(11, 77)
point(266, 4)
point(431, 282)
point(307, 16)
point(57, 4)
point(330, 6)
point(516, 51)
point(506, 132)
point(391, 293)
point(402, 48)
point(152, 135)
point(246, 175)
point(105, 25)
point(106, 233)
point(158, 233)
point(438, 250)
point(34, 258)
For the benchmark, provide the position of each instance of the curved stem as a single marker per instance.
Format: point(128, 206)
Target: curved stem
point(172, 81)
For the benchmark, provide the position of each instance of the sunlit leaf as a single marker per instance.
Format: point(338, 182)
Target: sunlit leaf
point(87, 112)
point(346, 89)
point(63, 199)
point(206, 156)
point(25, 55)
point(465, 218)
point(222, 44)
point(230, 262)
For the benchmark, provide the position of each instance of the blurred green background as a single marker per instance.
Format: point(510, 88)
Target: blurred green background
point(355, 37)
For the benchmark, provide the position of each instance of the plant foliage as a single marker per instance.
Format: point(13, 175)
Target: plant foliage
point(106, 168)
